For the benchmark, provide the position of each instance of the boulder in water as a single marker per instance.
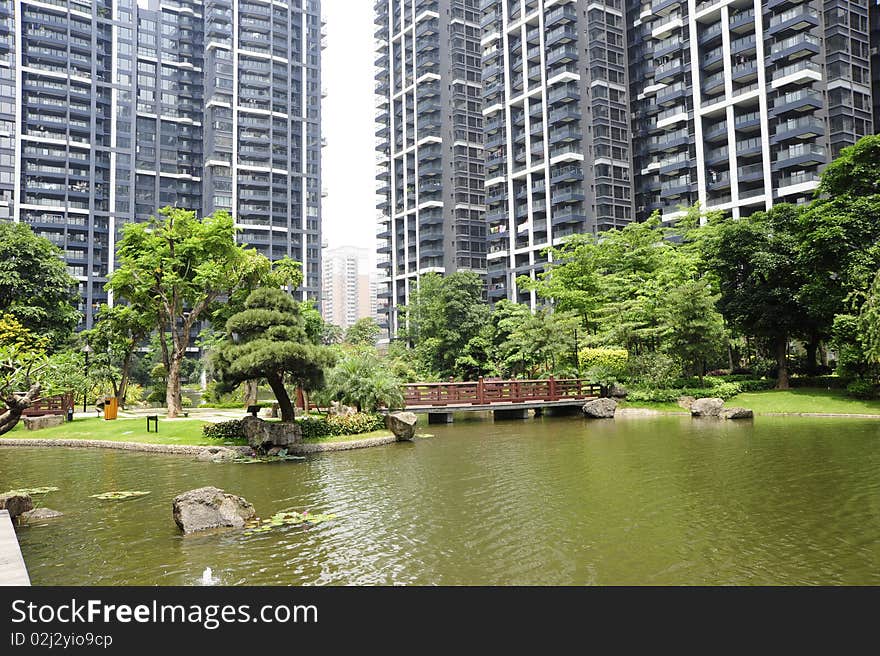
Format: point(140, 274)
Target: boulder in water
point(210, 507)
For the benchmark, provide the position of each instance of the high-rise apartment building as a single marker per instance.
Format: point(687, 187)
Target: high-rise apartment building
point(739, 104)
point(111, 110)
point(556, 111)
point(349, 289)
point(429, 144)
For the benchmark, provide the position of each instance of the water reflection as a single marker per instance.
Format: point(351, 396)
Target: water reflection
point(552, 501)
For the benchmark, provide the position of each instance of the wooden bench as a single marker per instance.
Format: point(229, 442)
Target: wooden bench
point(155, 420)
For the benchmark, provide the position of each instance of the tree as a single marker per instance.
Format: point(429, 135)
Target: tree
point(117, 333)
point(361, 379)
point(443, 315)
point(363, 332)
point(176, 267)
point(855, 172)
point(34, 284)
point(756, 262)
point(268, 339)
point(28, 373)
point(869, 323)
point(694, 327)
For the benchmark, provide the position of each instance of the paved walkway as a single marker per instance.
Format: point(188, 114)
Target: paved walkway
point(12, 568)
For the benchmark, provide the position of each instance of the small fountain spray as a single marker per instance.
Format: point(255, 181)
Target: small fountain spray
point(208, 577)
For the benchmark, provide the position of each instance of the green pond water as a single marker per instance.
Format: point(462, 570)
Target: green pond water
point(660, 500)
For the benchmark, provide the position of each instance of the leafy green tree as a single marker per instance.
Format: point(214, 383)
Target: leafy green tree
point(443, 315)
point(28, 373)
point(117, 334)
point(855, 172)
point(268, 339)
point(175, 267)
point(361, 379)
point(756, 262)
point(34, 284)
point(694, 327)
point(363, 332)
point(869, 323)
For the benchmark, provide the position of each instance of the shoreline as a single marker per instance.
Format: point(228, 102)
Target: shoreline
point(189, 450)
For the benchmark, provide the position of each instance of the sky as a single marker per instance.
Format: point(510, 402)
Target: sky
point(349, 165)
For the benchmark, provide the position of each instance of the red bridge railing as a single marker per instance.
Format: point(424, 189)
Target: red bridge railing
point(53, 405)
point(487, 392)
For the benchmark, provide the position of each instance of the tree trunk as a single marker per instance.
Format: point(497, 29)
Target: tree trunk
point(823, 354)
point(15, 405)
point(123, 379)
point(812, 348)
point(288, 412)
point(251, 392)
point(782, 362)
point(172, 386)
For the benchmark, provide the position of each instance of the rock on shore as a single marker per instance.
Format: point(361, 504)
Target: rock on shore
point(16, 504)
point(707, 407)
point(737, 413)
point(402, 424)
point(600, 409)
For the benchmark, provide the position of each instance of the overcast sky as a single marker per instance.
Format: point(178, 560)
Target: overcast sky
point(349, 164)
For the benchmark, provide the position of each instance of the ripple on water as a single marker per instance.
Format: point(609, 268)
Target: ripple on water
point(554, 501)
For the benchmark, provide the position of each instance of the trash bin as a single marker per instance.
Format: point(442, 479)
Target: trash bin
point(111, 407)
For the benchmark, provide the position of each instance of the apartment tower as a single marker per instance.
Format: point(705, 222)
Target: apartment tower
point(739, 104)
point(112, 110)
point(429, 145)
point(556, 112)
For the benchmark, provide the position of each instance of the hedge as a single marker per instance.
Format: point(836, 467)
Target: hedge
point(225, 430)
point(607, 358)
point(333, 425)
point(720, 389)
point(312, 427)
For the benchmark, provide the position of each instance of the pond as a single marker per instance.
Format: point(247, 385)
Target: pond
point(555, 501)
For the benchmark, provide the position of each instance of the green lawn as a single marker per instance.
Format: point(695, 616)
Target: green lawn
point(805, 400)
point(820, 401)
point(177, 431)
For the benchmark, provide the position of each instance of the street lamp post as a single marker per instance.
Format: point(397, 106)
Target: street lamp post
point(87, 350)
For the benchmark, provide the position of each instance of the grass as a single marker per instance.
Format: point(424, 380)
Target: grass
point(178, 431)
point(803, 400)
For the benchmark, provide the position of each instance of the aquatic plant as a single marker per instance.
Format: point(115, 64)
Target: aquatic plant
point(119, 496)
point(288, 518)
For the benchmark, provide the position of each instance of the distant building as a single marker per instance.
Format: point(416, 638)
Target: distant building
point(349, 287)
point(430, 145)
point(112, 110)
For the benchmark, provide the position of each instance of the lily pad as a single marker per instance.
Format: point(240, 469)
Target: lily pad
point(289, 518)
point(119, 496)
point(32, 491)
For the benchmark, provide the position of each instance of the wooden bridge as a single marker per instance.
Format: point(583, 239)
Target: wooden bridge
point(507, 399)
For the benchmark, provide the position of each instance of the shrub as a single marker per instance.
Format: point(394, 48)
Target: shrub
point(225, 430)
point(330, 426)
point(716, 388)
point(653, 370)
point(610, 360)
point(861, 389)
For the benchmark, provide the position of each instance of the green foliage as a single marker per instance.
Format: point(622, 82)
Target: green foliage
point(361, 379)
point(363, 332)
point(334, 425)
point(224, 430)
point(714, 388)
point(289, 518)
point(35, 286)
point(268, 339)
point(862, 389)
point(653, 369)
point(122, 495)
point(443, 315)
point(869, 323)
point(175, 268)
point(611, 359)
